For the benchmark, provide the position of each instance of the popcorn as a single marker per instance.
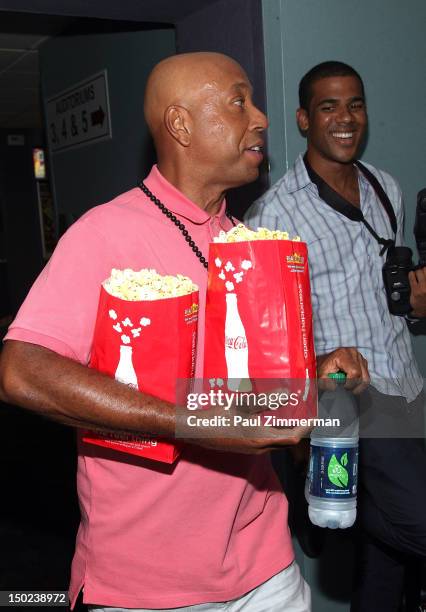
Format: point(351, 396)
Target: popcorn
point(241, 233)
point(219, 382)
point(145, 284)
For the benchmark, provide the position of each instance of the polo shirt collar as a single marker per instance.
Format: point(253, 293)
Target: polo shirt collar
point(178, 203)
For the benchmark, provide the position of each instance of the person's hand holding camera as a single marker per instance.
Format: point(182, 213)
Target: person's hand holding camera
point(417, 280)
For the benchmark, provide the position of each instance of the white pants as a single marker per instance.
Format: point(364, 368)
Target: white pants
point(284, 592)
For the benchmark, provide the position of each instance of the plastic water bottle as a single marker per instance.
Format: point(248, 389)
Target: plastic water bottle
point(331, 485)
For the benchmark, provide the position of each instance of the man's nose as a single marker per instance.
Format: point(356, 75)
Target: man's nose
point(259, 121)
point(344, 115)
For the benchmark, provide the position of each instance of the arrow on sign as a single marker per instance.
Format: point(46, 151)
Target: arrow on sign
point(98, 116)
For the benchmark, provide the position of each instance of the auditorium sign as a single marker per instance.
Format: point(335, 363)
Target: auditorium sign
point(79, 115)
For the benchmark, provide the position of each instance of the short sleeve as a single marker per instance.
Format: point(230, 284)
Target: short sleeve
point(60, 310)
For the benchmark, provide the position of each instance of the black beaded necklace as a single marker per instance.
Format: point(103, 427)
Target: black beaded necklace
point(168, 213)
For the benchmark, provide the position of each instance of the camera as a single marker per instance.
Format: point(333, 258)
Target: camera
point(399, 262)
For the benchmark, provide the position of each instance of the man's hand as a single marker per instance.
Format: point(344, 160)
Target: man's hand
point(417, 280)
point(347, 360)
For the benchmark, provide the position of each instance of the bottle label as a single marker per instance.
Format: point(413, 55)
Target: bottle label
point(238, 343)
point(333, 472)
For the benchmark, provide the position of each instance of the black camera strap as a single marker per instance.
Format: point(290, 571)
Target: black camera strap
point(348, 210)
point(381, 194)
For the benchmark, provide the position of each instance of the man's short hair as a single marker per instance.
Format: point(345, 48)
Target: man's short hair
point(323, 71)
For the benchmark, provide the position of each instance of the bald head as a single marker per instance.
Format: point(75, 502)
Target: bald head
point(178, 81)
point(200, 112)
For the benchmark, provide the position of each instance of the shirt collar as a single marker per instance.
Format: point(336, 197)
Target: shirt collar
point(178, 203)
point(298, 177)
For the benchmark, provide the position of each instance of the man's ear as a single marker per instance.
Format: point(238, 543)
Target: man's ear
point(302, 120)
point(178, 123)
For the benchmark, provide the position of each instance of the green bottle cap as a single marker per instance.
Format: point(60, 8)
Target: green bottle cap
point(338, 376)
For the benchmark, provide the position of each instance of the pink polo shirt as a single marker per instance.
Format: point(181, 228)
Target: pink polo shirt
point(209, 528)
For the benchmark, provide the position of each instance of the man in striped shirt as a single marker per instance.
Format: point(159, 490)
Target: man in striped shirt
point(350, 309)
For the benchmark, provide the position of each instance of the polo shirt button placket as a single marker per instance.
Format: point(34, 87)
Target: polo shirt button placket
point(214, 227)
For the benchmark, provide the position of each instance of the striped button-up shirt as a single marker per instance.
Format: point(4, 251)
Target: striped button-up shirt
point(348, 296)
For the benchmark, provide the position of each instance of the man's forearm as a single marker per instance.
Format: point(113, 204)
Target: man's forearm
point(61, 389)
point(57, 387)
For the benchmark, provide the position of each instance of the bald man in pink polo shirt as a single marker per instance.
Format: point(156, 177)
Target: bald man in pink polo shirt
point(209, 532)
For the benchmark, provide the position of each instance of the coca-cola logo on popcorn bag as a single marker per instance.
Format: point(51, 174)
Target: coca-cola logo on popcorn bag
point(237, 343)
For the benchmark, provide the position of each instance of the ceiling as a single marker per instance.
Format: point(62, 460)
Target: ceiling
point(22, 33)
point(164, 11)
point(20, 37)
point(19, 80)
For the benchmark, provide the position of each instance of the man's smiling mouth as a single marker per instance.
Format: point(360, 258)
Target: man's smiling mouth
point(343, 135)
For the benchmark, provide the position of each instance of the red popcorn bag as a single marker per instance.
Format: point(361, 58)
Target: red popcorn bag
point(131, 345)
point(259, 335)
